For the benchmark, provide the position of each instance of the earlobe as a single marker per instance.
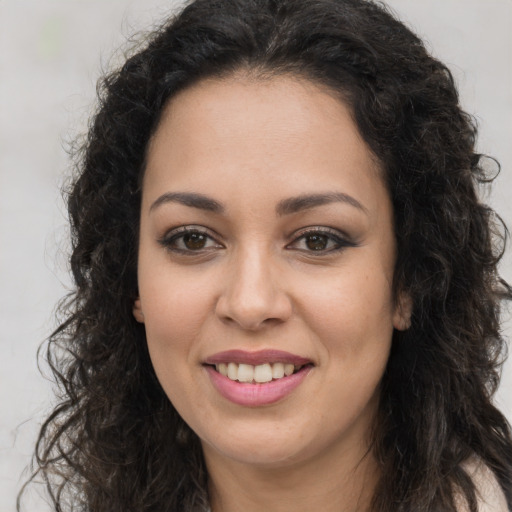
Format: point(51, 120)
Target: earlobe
point(403, 312)
point(137, 311)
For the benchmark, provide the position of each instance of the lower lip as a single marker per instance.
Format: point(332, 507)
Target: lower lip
point(255, 395)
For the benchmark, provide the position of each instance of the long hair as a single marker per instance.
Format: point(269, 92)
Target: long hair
point(114, 442)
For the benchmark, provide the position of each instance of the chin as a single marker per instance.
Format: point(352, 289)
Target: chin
point(256, 450)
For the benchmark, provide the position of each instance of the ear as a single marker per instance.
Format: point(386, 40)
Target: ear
point(403, 312)
point(137, 311)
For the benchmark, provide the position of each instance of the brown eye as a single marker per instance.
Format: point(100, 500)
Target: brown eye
point(317, 242)
point(321, 240)
point(189, 240)
point(195, 241)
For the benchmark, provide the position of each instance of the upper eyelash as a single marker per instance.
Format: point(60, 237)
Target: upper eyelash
point(341, 240)
point(174, 234)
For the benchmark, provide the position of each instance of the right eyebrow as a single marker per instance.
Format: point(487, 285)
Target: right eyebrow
point(191, 199)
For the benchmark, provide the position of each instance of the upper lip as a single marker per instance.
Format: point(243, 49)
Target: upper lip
point(257, 357)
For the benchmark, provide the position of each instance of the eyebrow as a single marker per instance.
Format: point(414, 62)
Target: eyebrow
point(285, 207)
point(191, 199)
point(305, 202)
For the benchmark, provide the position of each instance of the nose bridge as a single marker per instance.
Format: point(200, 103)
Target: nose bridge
point(254, 294)
point(253, 274)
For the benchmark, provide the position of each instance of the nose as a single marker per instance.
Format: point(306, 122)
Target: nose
point(254, 294)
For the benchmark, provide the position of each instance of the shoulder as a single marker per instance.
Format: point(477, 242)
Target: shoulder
point(490, 495)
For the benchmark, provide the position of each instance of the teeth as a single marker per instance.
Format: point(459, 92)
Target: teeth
point(233, 371)
point(223, 368)
point(260, 373)
point(245, 373)
point(278, 370)
point(263, 373)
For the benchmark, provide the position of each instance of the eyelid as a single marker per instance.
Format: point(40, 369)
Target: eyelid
point(320, 229)
point(341, 238)
point(175, 233)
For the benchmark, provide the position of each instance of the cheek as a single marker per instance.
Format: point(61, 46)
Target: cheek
point(175, 307)
point(352, 306)
point(353, 321)
point(175, 311)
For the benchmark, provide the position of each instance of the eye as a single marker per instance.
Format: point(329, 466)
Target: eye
point(320, 240)
point(189, 239)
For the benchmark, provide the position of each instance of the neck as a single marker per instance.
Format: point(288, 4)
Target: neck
point(329, 484)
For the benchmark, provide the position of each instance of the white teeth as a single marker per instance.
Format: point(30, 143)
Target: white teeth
point(223, 369)
point(245, 373)
point(261, 373)
point(278, 370)
point(233, 371)
point(288, 369)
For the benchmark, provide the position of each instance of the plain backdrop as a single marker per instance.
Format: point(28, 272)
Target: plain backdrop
point(51, 54)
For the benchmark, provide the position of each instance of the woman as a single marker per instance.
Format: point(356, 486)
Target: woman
point(286, 287)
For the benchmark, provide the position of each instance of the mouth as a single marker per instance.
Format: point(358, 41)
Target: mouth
point(258, 367)
point(257, 374)
point(256, 379)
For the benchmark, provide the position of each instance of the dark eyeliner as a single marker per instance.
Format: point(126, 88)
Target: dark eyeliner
point(168, 240)
point(341, 241)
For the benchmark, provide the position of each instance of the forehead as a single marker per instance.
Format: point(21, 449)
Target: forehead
point(282, 131)
point(286, 106)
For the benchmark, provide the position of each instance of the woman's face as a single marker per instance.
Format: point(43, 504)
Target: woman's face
point(266, 246)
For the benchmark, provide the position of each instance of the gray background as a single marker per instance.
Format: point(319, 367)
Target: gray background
point(51, 53)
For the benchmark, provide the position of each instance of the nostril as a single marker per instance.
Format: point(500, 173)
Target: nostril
point(254, 313)
point(252, 295)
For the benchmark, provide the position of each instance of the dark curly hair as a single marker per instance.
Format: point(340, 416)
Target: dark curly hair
point(101, 448)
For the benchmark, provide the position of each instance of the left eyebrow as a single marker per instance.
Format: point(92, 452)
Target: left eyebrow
point(305, 202)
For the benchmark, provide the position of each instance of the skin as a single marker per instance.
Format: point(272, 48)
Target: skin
point(256, 284)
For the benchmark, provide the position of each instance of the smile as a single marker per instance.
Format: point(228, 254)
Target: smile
point(255, 379)
point(259, 374)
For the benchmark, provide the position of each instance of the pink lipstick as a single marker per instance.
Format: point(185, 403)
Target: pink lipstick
point(272, 370)
point(258, 357)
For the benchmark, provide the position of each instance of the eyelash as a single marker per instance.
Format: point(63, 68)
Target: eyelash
point(178, 234)
point(170, 240)
point(340, 241)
